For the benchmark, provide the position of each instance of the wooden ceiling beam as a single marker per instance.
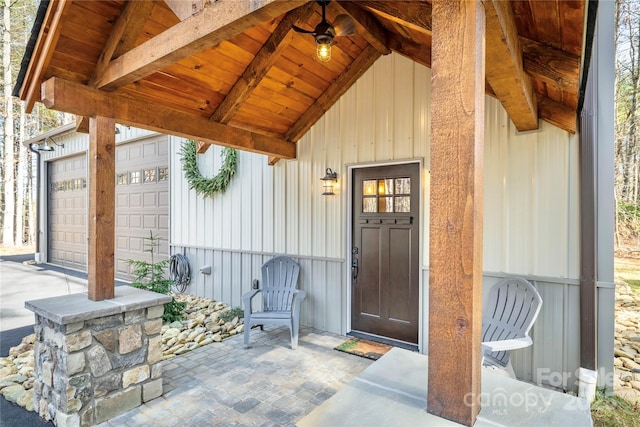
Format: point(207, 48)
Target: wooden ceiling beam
point(329, 97)
point(76, 98)
point(553, 66)
point(261, 64)
point(220, 21)
point(558, 114)
point(367, 26)
point(132, 19)
point(43, 51)
point(413, 14)
point(504, 71)
point(414, 51)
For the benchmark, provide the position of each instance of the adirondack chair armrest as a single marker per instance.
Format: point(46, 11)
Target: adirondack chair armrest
point(505, 345)
point(299, 296)
point(246, 300)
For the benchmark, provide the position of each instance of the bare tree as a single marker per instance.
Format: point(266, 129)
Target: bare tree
point(627, 126)
point(8, 230)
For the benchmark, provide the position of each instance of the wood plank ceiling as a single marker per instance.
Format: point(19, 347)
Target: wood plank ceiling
point(228, 72)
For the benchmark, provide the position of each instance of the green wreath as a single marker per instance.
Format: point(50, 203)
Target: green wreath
point(208, 186)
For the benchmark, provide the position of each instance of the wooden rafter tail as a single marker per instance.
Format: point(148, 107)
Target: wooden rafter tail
point(554, 67)
point(273, 160)
point(505, 70)
point(202, 147)
point(558, 115)
point(367, 26)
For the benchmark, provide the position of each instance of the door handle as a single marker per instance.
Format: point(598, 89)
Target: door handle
point(354, 270)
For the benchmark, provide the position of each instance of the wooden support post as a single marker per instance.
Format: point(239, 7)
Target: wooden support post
point(455, 240)
point(102, 188)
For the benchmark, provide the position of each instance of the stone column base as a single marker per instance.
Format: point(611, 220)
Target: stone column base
point(95, 360)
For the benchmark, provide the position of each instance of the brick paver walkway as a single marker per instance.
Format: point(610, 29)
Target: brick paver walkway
point(269, 384)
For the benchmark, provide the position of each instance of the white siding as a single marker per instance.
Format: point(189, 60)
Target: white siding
point(531, 211)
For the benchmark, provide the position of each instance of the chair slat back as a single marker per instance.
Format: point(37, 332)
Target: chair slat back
point(279, 283)
point(510, 313)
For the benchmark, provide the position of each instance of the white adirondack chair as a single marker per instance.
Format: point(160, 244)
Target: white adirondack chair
point(511, 310)
point(280, 299)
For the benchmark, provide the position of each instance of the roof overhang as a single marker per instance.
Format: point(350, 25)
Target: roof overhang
point(235, 73)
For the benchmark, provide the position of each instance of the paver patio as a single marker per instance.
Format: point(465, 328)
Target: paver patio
point(269, 384)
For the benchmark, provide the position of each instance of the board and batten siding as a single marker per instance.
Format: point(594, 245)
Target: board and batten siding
point(530, 225)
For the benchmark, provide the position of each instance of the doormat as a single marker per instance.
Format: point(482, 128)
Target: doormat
point(364, 348)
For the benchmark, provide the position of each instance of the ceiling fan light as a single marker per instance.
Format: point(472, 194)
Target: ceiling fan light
point(323, 51)
point(323, 47)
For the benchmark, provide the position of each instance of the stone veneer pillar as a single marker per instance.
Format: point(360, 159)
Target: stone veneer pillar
point(95, 360)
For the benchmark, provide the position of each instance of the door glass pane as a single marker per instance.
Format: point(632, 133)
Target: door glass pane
point(369, 187)
point(403, 185)
point(403, 204)
point(369, 204)
point(385, 186)
point(385, 204)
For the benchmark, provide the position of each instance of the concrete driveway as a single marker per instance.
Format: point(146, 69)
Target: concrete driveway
point(20, 282)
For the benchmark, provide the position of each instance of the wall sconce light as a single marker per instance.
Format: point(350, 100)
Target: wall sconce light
point(47, 147)
point(328, 181)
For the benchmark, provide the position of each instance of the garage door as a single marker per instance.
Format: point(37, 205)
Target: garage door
point(142, 201)
point(142, 205)
point(67, 212)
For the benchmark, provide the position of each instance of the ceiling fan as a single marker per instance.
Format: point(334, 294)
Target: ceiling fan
point(324, 32)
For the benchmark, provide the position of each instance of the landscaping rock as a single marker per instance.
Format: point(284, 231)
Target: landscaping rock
point(13, 392)
point(627, 344)
point(202, 326)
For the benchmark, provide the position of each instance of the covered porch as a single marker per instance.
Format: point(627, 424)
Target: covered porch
point(238, 74)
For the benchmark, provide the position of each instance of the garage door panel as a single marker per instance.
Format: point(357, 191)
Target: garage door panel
point(163, 222)
point(163, 199)
point(135, 200)
point(150, 221)
point(135, 244)
point(142, 205)
point(122, 155)
point(149, 149)
point(150, 199)
point(122, 242)
point(135, 221)
point(122, 220)
point(122, 200)
point(134, 152)
point(122, 267)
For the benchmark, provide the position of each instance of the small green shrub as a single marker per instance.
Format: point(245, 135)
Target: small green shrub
point(152, 277)
point(230, 314)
